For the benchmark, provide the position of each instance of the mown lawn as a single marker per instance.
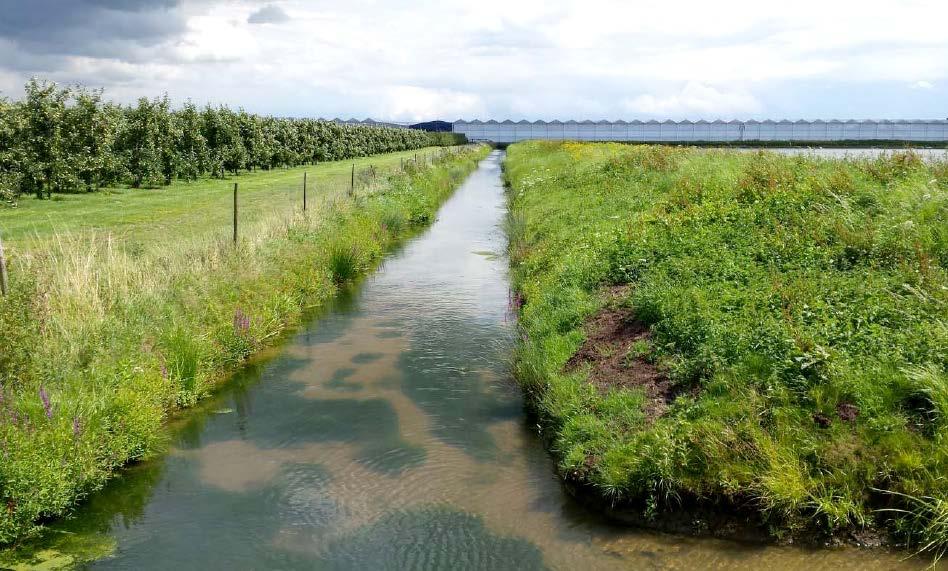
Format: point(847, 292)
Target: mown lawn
point(185, 209)
point(791, 316)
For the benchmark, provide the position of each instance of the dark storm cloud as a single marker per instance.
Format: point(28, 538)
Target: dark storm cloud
point(269, 14)
point(121, 29)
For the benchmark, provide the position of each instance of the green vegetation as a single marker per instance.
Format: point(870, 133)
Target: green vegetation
point(192, 209)
point(796, 308)
point(446, 139)
point(103, 338)
point(70, 140)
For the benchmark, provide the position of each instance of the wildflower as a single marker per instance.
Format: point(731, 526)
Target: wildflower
point(47, 407)
point(241, 322)
point(514, 300)
point(76, 427)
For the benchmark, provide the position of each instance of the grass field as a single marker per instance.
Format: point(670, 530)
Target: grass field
point(149, 217)
point(146, 305)
point(760, 333)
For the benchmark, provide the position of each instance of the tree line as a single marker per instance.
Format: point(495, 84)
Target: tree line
point(69, 139)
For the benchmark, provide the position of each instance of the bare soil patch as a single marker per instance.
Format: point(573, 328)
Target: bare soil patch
point(612, 350)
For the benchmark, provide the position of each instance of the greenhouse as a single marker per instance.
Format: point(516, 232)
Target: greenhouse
point(705, 131)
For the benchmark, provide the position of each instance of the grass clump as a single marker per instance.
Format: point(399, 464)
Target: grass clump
point(345, 261)
point(799, 305)
point(102, 338)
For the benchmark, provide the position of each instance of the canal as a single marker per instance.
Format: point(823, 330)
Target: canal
point(388, 434)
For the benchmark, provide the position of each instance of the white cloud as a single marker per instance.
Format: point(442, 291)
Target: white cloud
point(216, 36)
point(695, 100)
point(419, 103)
point(413, 59)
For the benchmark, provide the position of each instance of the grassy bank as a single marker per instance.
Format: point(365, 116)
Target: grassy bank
point(103, 338)
point(749, 331)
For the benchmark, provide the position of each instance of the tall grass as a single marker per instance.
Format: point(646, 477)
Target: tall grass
point(515, 228)
point(799, 305)
point(922, 522)
point(345, 261)
point(101, 341)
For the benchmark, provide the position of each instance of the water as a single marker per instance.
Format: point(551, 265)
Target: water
point(388, 435)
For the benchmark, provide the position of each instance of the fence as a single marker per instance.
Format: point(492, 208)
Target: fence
point(217, 214)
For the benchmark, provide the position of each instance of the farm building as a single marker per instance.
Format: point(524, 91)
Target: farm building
point(701, 131)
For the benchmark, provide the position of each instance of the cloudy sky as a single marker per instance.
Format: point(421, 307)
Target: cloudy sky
point(534, 59)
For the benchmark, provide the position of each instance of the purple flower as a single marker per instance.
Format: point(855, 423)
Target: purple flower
point(76, 427)
point(46, 406)
point(514, 301)
point(241, 322)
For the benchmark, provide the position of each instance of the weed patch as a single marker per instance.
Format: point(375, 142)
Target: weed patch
point(739, 329)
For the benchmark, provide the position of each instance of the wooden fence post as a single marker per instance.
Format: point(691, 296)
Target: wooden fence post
point(235, 213)
point(352, 181)
point(4, 288)
point(304, 191)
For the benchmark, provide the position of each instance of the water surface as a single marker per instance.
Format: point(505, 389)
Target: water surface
point(387, 434)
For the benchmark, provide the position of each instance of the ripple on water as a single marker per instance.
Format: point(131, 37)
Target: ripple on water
point(302, 498)
point(431, 538)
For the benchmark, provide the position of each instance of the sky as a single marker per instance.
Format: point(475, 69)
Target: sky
point(410, 60)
